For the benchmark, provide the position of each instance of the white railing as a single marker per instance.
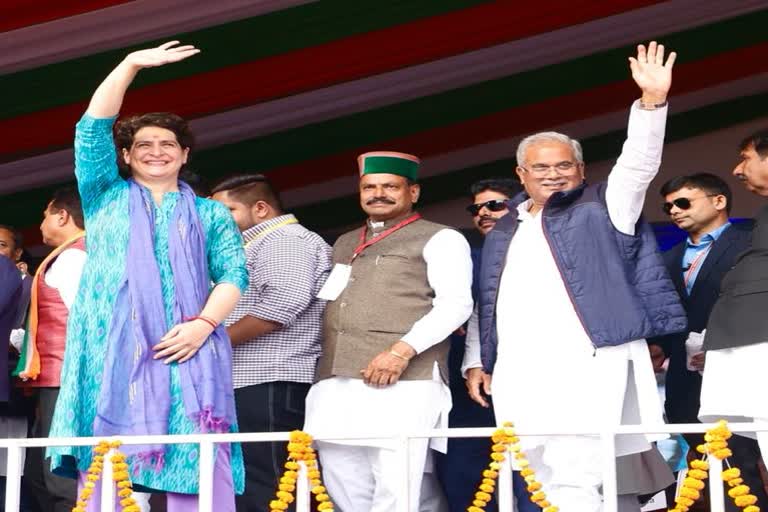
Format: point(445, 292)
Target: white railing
point(207, 442)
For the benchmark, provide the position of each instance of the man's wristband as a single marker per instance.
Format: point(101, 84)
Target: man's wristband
point(398, 355)
point(652, 106)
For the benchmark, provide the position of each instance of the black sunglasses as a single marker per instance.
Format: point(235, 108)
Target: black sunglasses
point(494, 205)
point(682, 203)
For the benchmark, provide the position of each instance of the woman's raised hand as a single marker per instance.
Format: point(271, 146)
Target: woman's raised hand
point(164, 54)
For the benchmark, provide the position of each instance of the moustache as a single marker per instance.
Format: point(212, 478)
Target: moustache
point(379, 200)
point(486, 218)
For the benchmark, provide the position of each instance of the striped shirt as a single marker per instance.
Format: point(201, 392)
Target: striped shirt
point(287, 266)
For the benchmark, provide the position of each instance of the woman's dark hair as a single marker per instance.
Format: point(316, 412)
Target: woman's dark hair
point(126, 129)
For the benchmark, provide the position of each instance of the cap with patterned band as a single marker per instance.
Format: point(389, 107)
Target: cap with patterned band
point(389, 162)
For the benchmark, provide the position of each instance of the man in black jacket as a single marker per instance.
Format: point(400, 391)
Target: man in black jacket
point(699, 204)
point(737, 333)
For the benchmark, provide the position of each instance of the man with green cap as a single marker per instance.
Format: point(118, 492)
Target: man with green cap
point(399, 287)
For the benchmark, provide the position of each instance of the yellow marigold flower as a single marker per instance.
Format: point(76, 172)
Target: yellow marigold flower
point(530, 479)
point(751, 508)
point(93, 478)
point(127, 502)
point(322, 497)
point(115, 444)
point(89, 485)
point(326, 505)
point(498, 457)
point(486, 488)
point(523, 463)
point(80, 503)
point(283, 495)
point(313, 474)
point(723, 453)
point(124, 484)
point(739, 490)
point(538, 496)
point(315, 481)
point(498, 448)
point(698, 474)
point(692, 483)
point(717, 445)
point(120, 475)
point(498, 437)
point(123, 493)
point(291, 474)
point(132, 508)
point(292, 465)
point(743, 501)
point(494, 466)
point(507, 424)
point(287, 480)
point(702, 448)
point(318, 489)
point(544, 504)
point(700, 464)
point(489, 481)
point(78, 509)
point(731, 473)
point(479, 503)
point(735, 481)
point(86, 493)
point(489, 473)
point(682, 500)
point(278, 505)
point(534, 486)
point(482, 496)
point(551, 509)
point(286, 487)
point(526, 472)
point(690, 493)
point(474, 509)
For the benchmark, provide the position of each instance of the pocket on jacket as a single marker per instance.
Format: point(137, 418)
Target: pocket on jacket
point(750, 287)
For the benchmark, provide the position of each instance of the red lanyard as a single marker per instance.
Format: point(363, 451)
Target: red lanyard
point(695, 263)
point(384, 234)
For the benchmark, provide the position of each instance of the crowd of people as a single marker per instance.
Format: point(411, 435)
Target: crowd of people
point(162, 309)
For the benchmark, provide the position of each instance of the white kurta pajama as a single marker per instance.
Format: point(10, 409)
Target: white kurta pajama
point(362, 476)
point(548, 375)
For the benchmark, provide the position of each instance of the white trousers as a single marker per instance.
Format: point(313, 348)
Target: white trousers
point(571, 472)
point(366, 478)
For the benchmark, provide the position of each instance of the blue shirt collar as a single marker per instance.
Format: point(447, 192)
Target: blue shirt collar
point(709, 237)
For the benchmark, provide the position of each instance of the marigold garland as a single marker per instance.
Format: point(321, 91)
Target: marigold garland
point(120, 476)
point(715, 445)
point(300, 449)
point(505, 440)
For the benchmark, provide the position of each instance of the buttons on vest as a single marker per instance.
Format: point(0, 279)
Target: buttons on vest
point(343, 305)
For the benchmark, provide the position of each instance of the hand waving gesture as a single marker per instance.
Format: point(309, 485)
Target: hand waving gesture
point(651, 73)
point(163, 54)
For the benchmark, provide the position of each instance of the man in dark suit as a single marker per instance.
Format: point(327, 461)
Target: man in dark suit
point(699, 204)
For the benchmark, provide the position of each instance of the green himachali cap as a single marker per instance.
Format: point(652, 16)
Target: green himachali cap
point(389, 162)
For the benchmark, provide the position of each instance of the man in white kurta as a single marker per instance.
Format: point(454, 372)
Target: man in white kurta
point(406, 287)
point(548, 373)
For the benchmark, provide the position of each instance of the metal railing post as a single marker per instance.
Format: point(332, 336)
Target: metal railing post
point(505, 495)
point(610, 489)
point(108, 484)
point(303, 495)
point(716, 490)
point(13, 478)
point(404, 483)
point(206, 476)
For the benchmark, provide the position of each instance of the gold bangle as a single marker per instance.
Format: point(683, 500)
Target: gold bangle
point(398, 355)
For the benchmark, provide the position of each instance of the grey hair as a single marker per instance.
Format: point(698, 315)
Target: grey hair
point(540, 137)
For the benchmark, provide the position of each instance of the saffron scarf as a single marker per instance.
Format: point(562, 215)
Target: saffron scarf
point(135, 396)
point(28, 366)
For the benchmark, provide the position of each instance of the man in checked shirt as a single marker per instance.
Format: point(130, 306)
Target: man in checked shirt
point(276, 327)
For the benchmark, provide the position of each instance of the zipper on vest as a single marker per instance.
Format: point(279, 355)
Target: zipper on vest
point(565, 284)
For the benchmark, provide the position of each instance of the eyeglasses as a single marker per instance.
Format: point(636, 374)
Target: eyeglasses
point(494, 205)
point(683, 203)
point(561, 168)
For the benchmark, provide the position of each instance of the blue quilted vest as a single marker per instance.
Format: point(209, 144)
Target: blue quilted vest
point(618, 283)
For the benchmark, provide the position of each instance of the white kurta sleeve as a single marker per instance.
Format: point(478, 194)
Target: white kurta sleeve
point(636, 167)
point(64, 274)
point(449, 273)
point(472, 357)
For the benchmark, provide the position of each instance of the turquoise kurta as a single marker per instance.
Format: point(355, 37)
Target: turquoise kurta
point(105, 206)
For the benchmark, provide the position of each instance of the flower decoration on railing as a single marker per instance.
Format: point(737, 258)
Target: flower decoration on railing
point(300, 449)
point(715, 445)
point(119, 475)
point(505, 440)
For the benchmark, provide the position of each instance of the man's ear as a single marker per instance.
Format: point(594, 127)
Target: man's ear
point(415, 193)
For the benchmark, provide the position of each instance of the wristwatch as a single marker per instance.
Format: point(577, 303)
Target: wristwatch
point(652, 106)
